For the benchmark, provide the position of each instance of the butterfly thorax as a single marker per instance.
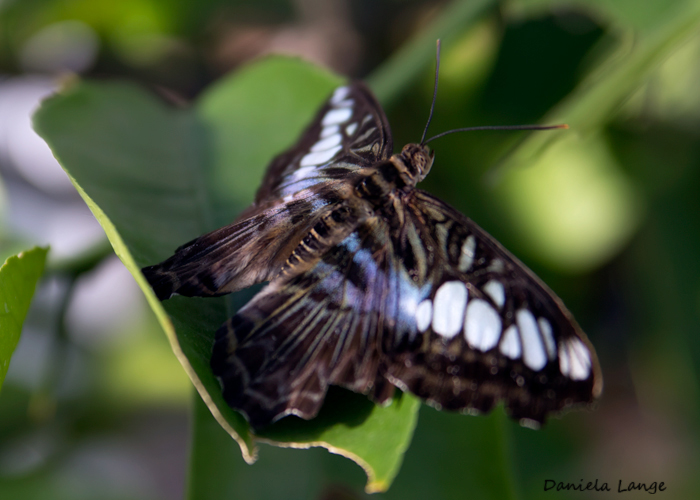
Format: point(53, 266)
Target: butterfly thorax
point(379, 193)
point(401, 172)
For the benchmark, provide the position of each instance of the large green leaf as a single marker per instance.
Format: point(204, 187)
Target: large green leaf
point(156, 176)
point(18, 278)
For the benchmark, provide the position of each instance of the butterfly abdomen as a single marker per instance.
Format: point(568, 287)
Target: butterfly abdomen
point(329, 230)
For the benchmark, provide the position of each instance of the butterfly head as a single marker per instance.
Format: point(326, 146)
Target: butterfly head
point(415, 162)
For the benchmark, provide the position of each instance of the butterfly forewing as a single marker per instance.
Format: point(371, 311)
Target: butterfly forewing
point(350, 133)
point(240, 255)
point(489, 330)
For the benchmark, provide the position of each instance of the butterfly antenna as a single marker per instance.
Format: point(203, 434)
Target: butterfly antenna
point(432, 106)
point(498, 127)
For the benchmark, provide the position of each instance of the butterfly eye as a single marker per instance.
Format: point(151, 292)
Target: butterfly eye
point(421, 161)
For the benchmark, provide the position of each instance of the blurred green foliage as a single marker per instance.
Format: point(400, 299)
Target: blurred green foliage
point(606, 213)
point(18, 278)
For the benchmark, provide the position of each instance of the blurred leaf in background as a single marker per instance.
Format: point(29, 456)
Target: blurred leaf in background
point(605, 213)
point(19, 275)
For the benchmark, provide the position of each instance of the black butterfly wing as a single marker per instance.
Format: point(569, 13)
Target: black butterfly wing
point(350, 133)
point(425, 300)
point(239, 255)
point(309, 329)
point(488, 330)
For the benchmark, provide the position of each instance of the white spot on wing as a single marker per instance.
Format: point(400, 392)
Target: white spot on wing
point(466, 258)
point(534, 355)
point(364, 136)
point(548, 336)
point(424, 314)
point(339, 94)
point(350, 129)
point(496, 291)
point(329, 142)
point(329, 130)
point(564, 364)
point(317, 158)
point(448, 312)
point(579, 366)
point(482, 326)
point(336, 116)
point(510, 345)
point(347, 103)
point(496, 266)
point(304, 172)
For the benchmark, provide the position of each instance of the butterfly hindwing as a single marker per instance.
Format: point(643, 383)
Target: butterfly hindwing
point(307, 330)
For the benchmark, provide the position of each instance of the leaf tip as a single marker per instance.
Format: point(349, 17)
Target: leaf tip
point(376, 486)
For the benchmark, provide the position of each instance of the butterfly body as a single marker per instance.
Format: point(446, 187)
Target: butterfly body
point(376, 285)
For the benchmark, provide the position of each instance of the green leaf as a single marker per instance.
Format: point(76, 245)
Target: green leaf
point(308, 470)
point(18, 278)
point(352, 426)
point(156, 177)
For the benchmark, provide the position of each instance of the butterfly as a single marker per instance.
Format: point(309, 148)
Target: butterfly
point(375, 285)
